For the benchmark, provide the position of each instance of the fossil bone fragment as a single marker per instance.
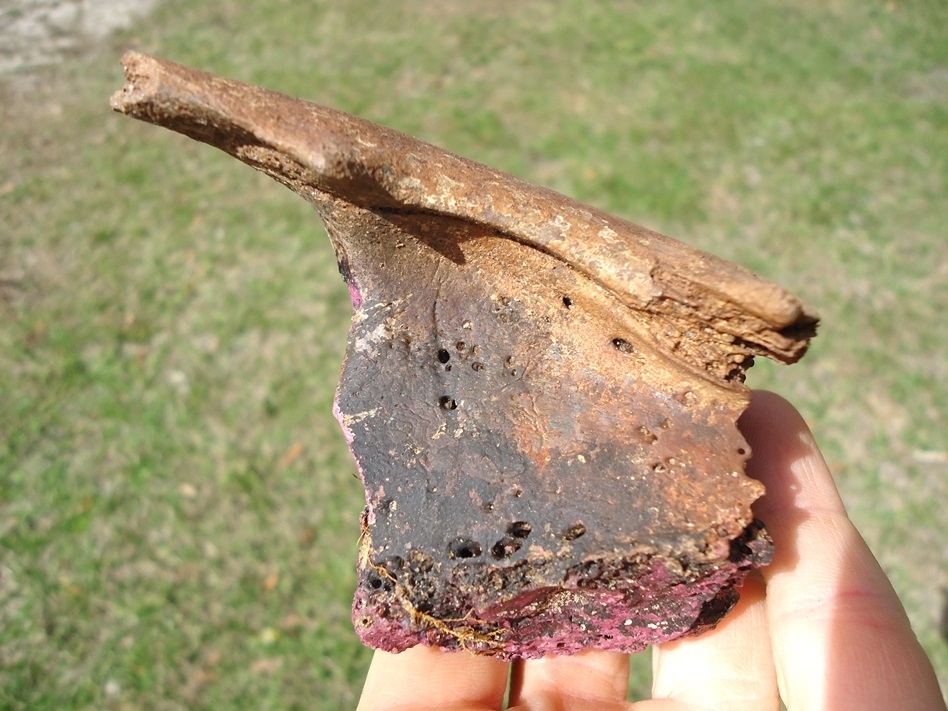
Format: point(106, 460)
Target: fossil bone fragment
point(541, 398)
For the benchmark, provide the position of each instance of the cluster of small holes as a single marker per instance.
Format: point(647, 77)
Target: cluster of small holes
point(445, 357)
point(512, 371)
point(512, 542)
point(377, 582)
point(383, 578)
point(465, 351)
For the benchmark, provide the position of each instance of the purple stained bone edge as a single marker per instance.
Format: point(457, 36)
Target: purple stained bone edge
point(575, 619)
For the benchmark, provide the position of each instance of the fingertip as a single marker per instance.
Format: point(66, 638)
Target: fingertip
point(589, 679)
point(425, 678)
point(729, 667)
point(841, 637)
point(787, 460)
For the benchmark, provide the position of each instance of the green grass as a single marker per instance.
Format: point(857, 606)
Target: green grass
point(178, 513)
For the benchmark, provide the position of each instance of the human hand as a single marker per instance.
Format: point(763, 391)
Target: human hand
point(821, 628)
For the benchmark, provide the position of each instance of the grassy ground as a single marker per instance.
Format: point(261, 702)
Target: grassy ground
point(178, 514)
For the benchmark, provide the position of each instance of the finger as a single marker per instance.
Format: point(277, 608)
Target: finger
point(424, 678)
point(840, 635)
point(589, 680)
point(729, 668)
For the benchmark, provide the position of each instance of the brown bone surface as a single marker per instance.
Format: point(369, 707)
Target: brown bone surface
point(541, 398)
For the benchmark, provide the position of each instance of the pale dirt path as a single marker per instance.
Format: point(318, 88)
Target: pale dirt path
point(35, 33)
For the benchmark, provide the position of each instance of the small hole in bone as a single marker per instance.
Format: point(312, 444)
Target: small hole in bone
point(567, 302)
point(574, 531)
point(448, 403)
point(736, 374)
point(443, 356)
point(519, 529)
point(620, 344)
point(505, 547)
point(463, 548)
